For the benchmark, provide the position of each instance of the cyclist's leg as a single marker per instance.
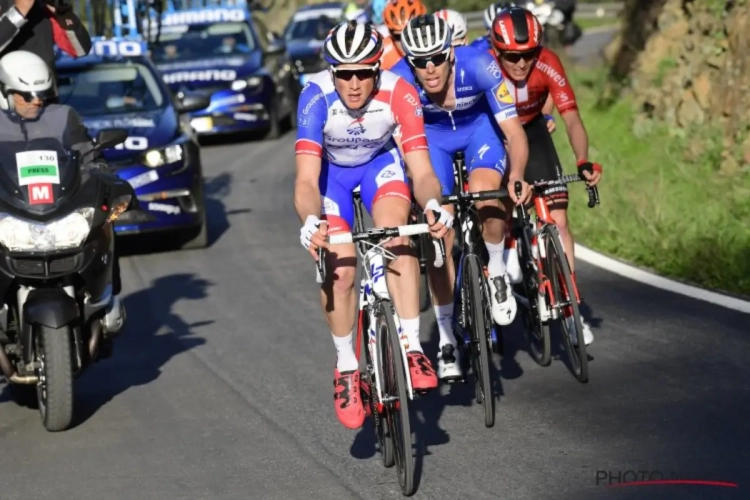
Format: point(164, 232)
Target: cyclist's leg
point(442, 280)
point(337, 294)
point(486, 162)
point(386, 195)
point(544, 164)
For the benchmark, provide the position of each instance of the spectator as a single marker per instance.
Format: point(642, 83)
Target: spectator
point(37, 25)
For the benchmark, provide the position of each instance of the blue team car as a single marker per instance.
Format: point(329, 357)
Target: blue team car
point(117, 86)
point(228, 55)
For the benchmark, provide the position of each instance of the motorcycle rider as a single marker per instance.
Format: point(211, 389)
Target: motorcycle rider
point(27, 85)
point(37, 25)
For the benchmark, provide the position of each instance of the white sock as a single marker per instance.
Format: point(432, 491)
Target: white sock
point(411, 328)
point(496, 266)
point(444, 319)
point(346, 360)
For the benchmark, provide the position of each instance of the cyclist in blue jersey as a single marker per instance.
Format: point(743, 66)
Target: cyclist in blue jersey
point(346, 119)
point(462, 90)
point(483, 42)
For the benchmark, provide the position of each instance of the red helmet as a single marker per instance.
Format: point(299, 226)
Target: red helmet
point(516, 30)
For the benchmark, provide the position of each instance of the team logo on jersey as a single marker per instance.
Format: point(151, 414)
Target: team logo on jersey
point(355, 127)
point(503, 95)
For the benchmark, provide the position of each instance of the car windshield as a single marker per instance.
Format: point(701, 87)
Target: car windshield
point(310, 28)
point(110, 88)
point(179, 43)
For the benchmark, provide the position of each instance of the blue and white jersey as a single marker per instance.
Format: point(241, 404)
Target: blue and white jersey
point(479, 87)
point(482, 43)
point(348, 138)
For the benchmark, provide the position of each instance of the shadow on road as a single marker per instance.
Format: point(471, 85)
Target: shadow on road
point(154, 335)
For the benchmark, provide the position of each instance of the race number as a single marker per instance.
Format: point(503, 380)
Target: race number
point(37, 167)
point(134, 143)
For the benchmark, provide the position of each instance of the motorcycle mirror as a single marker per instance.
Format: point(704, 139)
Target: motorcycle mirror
point(110, 138)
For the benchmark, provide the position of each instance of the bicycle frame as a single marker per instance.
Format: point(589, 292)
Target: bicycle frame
point(373, 290)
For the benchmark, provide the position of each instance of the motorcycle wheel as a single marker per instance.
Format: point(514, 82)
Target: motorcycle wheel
point(55, 387)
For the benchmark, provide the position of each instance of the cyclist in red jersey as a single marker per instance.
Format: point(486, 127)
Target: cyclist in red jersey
point(533, 74)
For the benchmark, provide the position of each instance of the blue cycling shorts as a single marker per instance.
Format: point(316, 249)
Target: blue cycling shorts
point(381, 177)
point(481, 145)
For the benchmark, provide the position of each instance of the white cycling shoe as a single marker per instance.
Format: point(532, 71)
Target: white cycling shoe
point(449, 364)
point(504, 306)
point(588, 335)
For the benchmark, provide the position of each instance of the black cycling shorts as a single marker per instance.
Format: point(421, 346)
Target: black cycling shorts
point(544, 165)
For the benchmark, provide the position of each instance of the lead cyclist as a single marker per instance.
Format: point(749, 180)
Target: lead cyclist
point(346, 118)
point(462, 91)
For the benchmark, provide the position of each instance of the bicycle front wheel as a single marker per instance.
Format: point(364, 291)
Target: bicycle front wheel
point(396, 397)
point(480, 345)
point(557, 270)
point(537, 332)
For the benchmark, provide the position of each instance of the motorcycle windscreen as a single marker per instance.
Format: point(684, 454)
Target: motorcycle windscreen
point(37, 176)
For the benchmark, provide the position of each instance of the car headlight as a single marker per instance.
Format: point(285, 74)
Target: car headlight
point(253, 82)
point(68, 232)
point(158, 157)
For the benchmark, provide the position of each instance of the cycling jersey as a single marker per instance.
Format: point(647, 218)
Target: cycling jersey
point(358, 144)
point(547, 76)
point(480, 92)
point(482, 43)
point(391, 57)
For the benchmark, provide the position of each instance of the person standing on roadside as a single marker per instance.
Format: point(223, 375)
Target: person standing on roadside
point(38, 25)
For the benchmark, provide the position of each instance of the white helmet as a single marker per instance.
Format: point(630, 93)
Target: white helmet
point(425, 36)
point(457, 22)
point(492, 10)
point(353, 43)
point(26, 74)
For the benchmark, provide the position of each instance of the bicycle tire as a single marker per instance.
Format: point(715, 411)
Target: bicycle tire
point(557, 267)
point(536, 332)
point(381, 431)
point(480, 345)
point(394, 382)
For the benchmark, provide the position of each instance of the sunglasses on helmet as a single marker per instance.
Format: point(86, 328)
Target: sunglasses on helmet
point(436, 59)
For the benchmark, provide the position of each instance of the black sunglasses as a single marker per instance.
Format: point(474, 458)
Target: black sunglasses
point(514, 57)
point(30, 96)
point(348, 74)
point(437, 59)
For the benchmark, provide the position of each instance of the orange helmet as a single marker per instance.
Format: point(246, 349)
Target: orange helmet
point(516, 30)
point(398, 12)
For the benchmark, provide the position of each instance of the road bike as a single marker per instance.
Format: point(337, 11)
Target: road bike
point(385, 380)
point(472, 305)
point(548, 290)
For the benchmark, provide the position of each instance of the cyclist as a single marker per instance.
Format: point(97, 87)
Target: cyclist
point(460, 89)
point(347, 116)
point(395, 15)
point(532, 73)
point(27, 86)
point(483, 42)
point(457, 23)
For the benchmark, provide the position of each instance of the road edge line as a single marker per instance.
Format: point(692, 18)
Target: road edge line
point(633, 273)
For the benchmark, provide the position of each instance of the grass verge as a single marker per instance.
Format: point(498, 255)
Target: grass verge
point(682, 218)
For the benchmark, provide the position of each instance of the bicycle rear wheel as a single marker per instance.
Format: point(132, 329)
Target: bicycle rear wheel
point(395, 396)
point(480, 346)
point(537, 332)
point(372, 367)
point(557, 270)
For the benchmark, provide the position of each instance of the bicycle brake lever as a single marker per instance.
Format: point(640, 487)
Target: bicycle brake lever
point(593, 192)
point(320, 276)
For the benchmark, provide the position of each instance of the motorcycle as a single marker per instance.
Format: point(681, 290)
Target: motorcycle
point(56, 256)
point(552, 20)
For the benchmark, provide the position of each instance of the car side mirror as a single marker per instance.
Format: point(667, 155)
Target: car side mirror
point(110, 137)
point(276, 47)
point(190, 103)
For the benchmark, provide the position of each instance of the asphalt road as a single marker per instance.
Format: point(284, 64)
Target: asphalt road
point(220, 387)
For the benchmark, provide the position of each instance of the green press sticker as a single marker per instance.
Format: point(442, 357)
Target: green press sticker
point(37, 167)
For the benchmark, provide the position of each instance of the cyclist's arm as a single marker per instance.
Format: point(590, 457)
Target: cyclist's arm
point(312, 112)
point(565, 101)
point(549, 106)
point(69, 32)
point(503, 107)
point(12, 21)
point(407, 111)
